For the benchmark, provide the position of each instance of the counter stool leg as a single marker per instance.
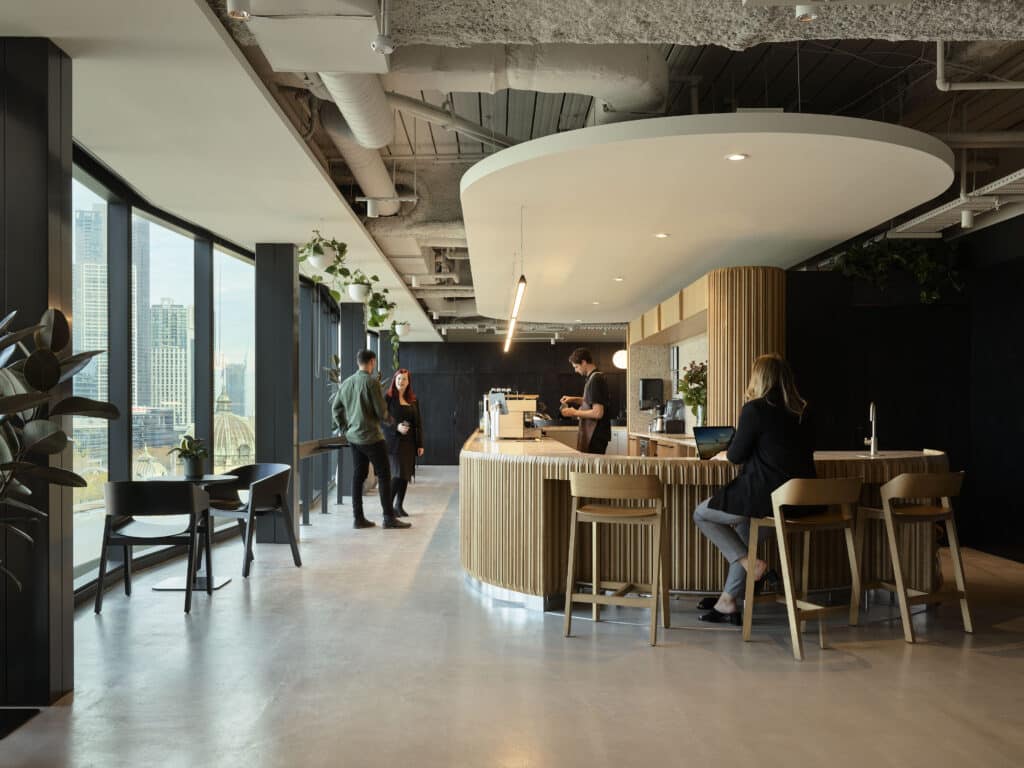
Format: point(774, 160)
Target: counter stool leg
point(860, 533)
point(805, 573)
point(594, 559)
point(666, 569)
point(748, 595)
point(855, 581)
point(958, 573)
point(787, 582)
point(570, 579)
point(897, 572)
point(655, 582)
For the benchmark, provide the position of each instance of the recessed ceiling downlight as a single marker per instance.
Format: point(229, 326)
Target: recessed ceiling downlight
point(661, 235)
point(806, 13)
point(736, 156)
point(239, 10)
point(619, 279)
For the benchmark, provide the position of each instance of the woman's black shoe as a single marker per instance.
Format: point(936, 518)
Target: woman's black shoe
point(717, 617)
point(769, 582)
point(707, 603)
point(399, 512)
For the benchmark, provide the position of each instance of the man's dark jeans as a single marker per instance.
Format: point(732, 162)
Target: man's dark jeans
point(364, 454)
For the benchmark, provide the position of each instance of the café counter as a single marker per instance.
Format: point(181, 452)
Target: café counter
point(514, 508)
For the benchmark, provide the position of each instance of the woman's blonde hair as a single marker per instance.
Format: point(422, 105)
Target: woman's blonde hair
point(771, 372)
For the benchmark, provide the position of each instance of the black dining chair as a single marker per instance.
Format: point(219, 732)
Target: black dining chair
point(267, 486)
point(128, 500)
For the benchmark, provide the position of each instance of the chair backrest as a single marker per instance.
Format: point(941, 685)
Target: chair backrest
point(923, 485)
point(251, 473)
point(142, 498)
point(271, 487)
point(814, 492)
point(594, 486)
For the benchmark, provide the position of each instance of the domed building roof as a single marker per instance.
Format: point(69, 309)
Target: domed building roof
point(234, 442)
point(146, 466)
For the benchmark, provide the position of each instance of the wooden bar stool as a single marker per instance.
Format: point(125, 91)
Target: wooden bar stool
point(587, 488)
point(910, 499)
point(842, 492)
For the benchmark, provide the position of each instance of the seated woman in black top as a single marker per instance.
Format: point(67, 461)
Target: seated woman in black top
point(404, 435)
point(774, 442)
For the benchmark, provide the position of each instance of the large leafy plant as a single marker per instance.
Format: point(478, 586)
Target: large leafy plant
point(34, 362)
point(928, 262)
point(693, 385)
point(380, 308)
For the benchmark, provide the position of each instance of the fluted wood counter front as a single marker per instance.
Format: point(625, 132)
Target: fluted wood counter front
point(514, 509)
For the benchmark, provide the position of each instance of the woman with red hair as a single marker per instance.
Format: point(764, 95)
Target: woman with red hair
point(404, 435)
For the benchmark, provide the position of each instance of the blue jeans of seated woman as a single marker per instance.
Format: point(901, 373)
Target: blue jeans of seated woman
point(731, 534)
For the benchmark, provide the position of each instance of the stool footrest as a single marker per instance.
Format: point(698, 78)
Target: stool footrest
point(586, 597)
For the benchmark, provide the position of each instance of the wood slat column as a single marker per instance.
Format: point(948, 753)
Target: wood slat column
point(746, 318)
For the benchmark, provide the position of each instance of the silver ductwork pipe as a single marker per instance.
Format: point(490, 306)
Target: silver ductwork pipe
point(361, 100)
point(437, 116)
point(985, 85)
point(366, 165)
point(627, 81)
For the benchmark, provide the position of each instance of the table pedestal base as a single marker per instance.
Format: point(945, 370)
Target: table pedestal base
point(177, 584)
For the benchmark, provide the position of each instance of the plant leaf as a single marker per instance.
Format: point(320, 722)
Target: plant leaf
point(11, 576)
point(42, 370)
point(55, 333)
point(45, 437)
point(54, 475)
point(7, 321)
point(83, 406)
point(71, 366)
point(17, 531)
point(13, 404)
point(13, 338)
point(22, 505)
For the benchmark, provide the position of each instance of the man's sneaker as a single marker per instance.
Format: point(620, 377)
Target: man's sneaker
point(394, 522)
point(362, 522)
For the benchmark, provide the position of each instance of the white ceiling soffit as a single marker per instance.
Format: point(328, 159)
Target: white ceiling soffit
point(163, 97)
point(594, 199)
point(1003, 194)
point(318, 36)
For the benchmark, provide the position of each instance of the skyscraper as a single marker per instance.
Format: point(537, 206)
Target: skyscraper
point(170, 358)
point(142, 337)
point(234, 385)
point(89, 300)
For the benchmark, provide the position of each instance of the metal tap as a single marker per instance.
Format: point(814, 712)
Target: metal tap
point(872, 442)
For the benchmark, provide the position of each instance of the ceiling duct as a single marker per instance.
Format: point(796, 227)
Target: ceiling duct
point(361, 100)
point(628, 81)
point(365, 164)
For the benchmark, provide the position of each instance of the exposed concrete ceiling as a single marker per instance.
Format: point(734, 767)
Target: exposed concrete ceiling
point(693, 22)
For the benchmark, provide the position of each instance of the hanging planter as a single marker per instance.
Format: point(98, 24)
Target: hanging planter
point(326, 255)
point(358, 291)
point(400, 328)
point(322, 260)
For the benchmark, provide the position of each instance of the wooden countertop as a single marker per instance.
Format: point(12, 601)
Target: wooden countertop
point(665, 437)
point(547, 446)
point(574, 428)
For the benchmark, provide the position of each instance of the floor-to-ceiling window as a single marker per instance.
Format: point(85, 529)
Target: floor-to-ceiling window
point(89, 332)
point(163, 345)
point(234, 384)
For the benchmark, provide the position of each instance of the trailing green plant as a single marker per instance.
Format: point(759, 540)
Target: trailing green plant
point(190, 448)
point(693, 385)
point(357, 277)
point(396, 342)
point(929, 262)
point(30, 380)
point(318, 246)
point(380, 308)
point(333, 370)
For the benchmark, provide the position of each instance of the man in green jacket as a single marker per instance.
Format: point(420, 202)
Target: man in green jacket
point(359, 409)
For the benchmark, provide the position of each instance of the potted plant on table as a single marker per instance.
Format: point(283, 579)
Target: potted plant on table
point(693, 386)
point(191, 451)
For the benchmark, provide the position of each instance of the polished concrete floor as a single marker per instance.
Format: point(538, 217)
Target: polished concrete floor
point(377, 653)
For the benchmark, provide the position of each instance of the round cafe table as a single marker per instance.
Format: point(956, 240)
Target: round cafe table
point(177, 583)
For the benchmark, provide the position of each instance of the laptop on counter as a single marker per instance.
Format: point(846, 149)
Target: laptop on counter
point(712, 440)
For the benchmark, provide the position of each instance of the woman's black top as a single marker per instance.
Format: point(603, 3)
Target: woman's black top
point(773, 445)
point(403, 448)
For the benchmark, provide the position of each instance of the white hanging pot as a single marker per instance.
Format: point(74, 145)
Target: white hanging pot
point(322, 260)
point(401, 328)
point(358, 291)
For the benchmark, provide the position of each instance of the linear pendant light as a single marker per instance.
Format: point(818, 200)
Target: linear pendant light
point(520, 286)
point(511, 332)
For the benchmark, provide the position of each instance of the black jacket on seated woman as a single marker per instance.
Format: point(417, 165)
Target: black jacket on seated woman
point(774, 445)
point(402, 449)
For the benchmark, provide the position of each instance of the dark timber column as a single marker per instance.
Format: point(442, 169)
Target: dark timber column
point(277, 369)
point(36, 637)
point(352, 330)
